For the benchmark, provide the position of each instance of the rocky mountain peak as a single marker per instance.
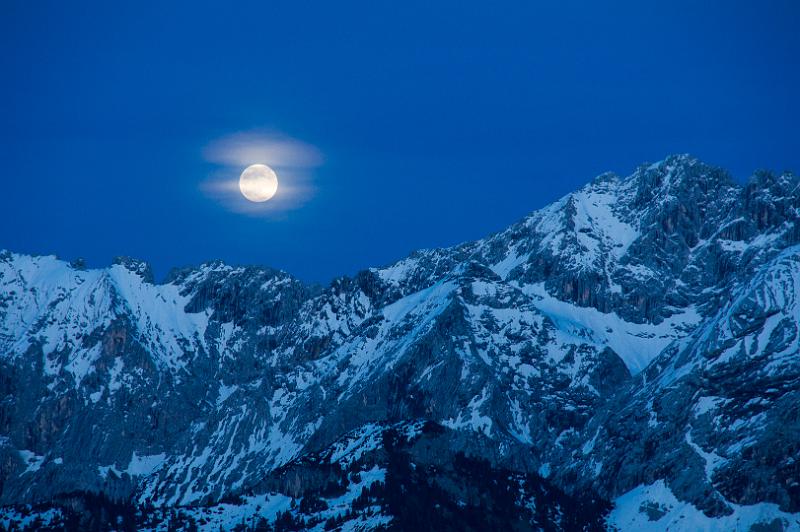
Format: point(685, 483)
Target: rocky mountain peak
point(136, 266)
point(676, 174)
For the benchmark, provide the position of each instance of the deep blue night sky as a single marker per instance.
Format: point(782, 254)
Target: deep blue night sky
point(438, 122)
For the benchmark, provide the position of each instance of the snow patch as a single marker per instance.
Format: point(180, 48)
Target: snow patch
point(145, 465)
point(655, 507)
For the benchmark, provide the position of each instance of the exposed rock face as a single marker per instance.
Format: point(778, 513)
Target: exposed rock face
point(716, 414)
point(636, 341)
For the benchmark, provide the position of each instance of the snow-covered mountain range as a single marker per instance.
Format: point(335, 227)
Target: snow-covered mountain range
point(627, 357)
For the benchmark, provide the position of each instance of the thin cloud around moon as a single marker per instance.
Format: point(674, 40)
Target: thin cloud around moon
point(291, 159)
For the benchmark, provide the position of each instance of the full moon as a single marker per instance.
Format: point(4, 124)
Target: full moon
point(258, 183)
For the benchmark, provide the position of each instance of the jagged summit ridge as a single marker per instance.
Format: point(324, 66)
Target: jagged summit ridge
point(588, 341)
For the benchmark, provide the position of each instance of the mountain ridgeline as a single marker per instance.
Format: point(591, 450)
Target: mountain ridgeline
point(627, 357)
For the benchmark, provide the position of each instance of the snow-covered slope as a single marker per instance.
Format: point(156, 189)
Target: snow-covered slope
point(637, 337)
